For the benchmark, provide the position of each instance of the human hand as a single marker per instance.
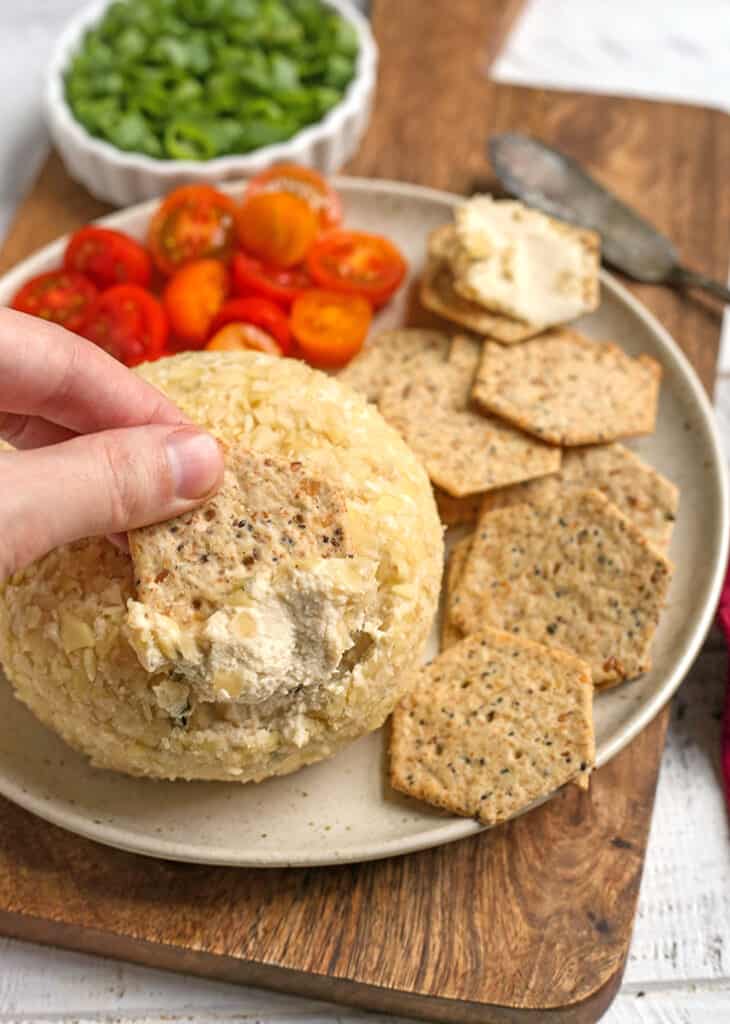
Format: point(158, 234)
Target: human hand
point(103, 451)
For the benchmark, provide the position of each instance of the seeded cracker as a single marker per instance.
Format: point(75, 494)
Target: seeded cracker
point(567, 389)
point(393, 356)
point(450, 632)
point(574, 574)
point(464, 452)
point(203, 578)
point(268, 510)
point(492, 725)
point(637, 490)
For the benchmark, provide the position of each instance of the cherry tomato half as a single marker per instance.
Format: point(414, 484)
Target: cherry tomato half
point(192, 298)
point(193, 222)
point(62, 296)
point(252, 277)
point(108, 257)
point(277, 227)
point(305, 183)
point(129, 323)
point(330, 327)
point(257, 312)
point(357, 263)
point(235, 337)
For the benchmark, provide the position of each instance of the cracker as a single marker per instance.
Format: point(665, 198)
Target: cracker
point(634, 487)
point(573, 573)
point(450, 632)
point(567, 389)
point(493, 725)
point(464, 452)
point(391, 356)
point(458, 511)
point(269, 510)
point(437, 293)
point(465, 353)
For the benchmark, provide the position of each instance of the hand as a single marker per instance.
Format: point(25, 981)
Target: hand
point(104, 451)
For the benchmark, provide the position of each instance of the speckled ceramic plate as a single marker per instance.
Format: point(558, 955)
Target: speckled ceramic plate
point(343, 810)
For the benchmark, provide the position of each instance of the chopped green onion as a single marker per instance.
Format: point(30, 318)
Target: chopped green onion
point(196, 79)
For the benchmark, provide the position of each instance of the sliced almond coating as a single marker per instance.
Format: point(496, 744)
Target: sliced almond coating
point(573, 573)
point(450, 632)
point(637, 490)
point(464, 452)
point(493, 725)
point(568, 389)
point(393, 356)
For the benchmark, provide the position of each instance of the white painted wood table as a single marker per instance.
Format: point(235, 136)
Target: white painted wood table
point(679, 965)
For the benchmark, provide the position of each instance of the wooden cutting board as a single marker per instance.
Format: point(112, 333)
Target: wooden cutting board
point(529, 922)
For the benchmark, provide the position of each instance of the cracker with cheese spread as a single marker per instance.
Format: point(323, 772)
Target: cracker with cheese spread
point(521, 263)
point(568, 389)
point(572, 573)
point(438, 295)
point(493, 725)
point(255, 591)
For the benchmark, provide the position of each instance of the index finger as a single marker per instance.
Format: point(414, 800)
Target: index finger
point(49, 372)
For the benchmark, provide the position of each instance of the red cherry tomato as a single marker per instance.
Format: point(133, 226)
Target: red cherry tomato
point(192, 298)
point(357, 263)
point(129, 323)
point(258, 313)
point(193, 222)
point(108, 257)
point(236, 337)
point(252, 277)
point(330, 327)
point(62, 296)
point(302, 182)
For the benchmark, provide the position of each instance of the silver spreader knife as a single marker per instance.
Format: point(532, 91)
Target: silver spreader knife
point(555, 183)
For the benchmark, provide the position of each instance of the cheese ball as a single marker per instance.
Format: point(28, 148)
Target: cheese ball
point(63, 621)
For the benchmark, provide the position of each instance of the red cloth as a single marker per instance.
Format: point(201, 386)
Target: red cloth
point(723, 618)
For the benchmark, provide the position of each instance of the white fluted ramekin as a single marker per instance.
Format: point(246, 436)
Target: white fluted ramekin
point(123, 178)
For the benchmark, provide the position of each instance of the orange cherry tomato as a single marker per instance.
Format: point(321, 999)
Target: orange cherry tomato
point(108, 257)
point(258, 313)
point(252, 277)
point(193, 222)
point(305, 183)
point(235, 337)
point(357, 263)
point(62, 296)
point(277, 227)
point(129, 323)
point(192, 298)
point(330, 327)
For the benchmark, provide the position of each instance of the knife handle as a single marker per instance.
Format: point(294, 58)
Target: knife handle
point(684, 278)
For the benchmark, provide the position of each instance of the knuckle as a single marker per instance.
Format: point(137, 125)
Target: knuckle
point(120, 483)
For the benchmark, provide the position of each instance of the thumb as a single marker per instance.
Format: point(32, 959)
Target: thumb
point(99, 484)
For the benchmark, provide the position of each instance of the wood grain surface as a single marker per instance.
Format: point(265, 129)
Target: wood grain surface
point(529, 922)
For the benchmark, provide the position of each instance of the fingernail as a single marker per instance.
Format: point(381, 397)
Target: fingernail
point(195, 463)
